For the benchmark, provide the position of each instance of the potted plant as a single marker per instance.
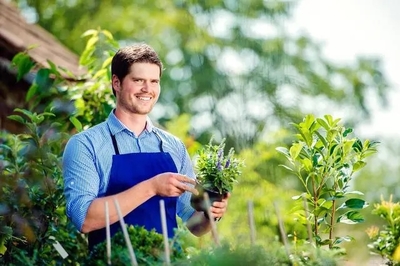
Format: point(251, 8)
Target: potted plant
point(216, 173)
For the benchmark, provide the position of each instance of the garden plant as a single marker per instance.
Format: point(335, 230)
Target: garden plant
point(324, 157)
point(386, 238)
point(216, 173)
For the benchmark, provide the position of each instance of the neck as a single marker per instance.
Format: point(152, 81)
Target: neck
point(134, 122)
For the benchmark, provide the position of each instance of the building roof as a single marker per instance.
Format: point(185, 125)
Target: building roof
point(16, 35)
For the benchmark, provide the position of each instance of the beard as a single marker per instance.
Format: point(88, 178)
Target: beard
point(135, 106)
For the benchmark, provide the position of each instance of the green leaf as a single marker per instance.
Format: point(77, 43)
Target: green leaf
point(298, 197)
point(77, 124)
point(322, 138)
point(287, 167)
point(43, 79)
point(108, 34)
point(92, 41)
point(354, 192)
point(347, 132)
point(106, 62)
point(53, 67)
point(339, 240)
point(283, 150)
point(358, 146)
point(323, 123)
point(16, 118)
point(306, 164)
point(32, 91)
point(89, 33)
point(354, 204)
point(3, 248)
point(25, 112)
point(295, 150)
point(358, 165)
point(100, 73)
point(351, 217)
point(4, 146)
point(24, 64)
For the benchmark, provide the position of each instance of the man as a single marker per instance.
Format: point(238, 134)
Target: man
point(127, 158)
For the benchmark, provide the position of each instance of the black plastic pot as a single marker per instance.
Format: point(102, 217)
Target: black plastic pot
point(198, 202)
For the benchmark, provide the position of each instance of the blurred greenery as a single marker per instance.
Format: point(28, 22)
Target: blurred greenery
point(231, 70)
point(231, 65)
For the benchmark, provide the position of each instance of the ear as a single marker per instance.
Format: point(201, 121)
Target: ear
point(116, 83)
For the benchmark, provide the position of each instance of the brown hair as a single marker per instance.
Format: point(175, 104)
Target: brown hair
point(127, 56)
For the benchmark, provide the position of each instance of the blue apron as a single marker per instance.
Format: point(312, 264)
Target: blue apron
point(128, 170)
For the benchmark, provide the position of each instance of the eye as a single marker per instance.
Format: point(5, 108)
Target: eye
point(155, 81)
point(139, 81)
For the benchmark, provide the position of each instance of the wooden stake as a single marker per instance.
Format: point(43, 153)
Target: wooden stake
point(211, 218)
point(282, 230)
point(126, 236)
point(165, 232)
point(250, 211)
point(108, 236)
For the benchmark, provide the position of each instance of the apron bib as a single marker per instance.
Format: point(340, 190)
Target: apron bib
point(128, 170)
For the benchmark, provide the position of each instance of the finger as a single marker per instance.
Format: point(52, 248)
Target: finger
point(186, 179)
point(217, 212)
point(219, 204)
point(184, 187)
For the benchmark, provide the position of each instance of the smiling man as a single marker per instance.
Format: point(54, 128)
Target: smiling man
point(127, 158)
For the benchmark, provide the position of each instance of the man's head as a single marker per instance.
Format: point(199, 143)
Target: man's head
point(127, 56)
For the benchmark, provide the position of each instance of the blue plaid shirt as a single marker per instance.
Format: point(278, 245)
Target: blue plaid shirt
point(87, 163)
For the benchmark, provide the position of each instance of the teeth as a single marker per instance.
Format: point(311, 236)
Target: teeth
point(144, 98)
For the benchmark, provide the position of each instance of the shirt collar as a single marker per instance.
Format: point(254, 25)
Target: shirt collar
point(117, 126)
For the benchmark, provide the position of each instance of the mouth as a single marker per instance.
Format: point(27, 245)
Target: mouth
point(143, 98)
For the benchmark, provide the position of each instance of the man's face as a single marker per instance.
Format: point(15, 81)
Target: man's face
point(140, 89)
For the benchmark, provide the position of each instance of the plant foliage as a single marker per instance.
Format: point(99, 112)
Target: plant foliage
point(217, 171)
point(325, 157)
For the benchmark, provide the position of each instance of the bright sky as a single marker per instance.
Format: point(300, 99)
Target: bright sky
point(347, 28)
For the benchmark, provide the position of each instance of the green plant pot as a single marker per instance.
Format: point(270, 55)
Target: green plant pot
point(198, 202)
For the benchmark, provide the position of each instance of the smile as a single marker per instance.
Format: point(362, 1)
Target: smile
point(144, 98)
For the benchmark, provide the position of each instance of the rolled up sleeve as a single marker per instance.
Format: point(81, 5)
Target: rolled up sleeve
point(81, 180)
point(184, 209)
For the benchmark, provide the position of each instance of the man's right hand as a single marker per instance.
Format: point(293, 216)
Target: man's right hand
point(172, 184)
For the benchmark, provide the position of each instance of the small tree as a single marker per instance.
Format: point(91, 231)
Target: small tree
point(325, 158)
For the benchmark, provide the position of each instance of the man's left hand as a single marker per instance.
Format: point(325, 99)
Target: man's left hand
point(218, 208)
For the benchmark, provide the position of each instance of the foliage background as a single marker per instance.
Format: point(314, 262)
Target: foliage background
point(232, 69)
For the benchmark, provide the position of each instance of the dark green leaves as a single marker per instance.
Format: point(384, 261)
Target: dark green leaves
point(354, 204)
point(351, 217)
point(23, 63)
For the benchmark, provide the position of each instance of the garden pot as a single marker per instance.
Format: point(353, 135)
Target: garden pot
point(198, 202)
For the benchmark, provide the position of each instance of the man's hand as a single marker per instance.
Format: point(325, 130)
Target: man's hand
point(172, 184)
point(218, 208)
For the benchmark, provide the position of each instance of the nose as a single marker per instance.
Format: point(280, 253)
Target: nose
point(145, 86)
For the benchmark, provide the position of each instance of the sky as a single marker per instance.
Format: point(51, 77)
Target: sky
point(347, 28)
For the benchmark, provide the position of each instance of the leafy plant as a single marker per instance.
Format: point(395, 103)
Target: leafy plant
point(325, 158)
point(386, 241)
point(32, 206)
point(93, 98)
point(148, 247)
point(272, 254)
point(216, 171)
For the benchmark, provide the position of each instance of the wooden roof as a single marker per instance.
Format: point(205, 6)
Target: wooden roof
point(16, 35)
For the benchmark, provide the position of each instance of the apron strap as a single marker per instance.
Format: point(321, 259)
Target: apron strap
point(114, 141)
point(159, 138)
